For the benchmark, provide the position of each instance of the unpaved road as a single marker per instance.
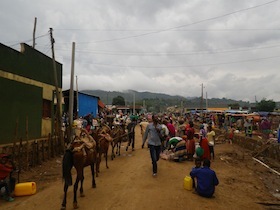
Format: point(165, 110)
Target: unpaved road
point(128, 184)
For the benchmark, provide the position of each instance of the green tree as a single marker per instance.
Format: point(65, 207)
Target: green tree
point(266, 105)
point(234, 106)
point(119, 100)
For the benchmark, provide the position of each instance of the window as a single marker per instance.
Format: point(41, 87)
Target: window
point(46, 108)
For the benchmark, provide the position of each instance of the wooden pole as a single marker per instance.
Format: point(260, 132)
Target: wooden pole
point(37, 152)
point(274, 171)
point(27, 143)
point(43, 150)
point(133, 103)
point(206, 102)
point(34, 32)
point(58, 94)
point(201, 101)
point(77, 96)
point(71, 93)
point(14, 148)
point(49, 146)
point(16, 136)
point(19, 158)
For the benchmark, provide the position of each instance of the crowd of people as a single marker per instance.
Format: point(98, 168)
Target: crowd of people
point(175, 138)
point(167, 137)
point(247, 124)
point(181, 142)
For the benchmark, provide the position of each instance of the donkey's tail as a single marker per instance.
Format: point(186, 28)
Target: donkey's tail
point(67, 165)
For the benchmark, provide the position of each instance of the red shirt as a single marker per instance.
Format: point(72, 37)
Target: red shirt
point(5, 171)
point(171, 129)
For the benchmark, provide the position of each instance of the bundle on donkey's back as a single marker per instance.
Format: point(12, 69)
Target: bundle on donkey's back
point(119, 135)
point(81, 152)
point(103, 139)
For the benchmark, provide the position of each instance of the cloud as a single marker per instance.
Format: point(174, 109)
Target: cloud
point(159, 46)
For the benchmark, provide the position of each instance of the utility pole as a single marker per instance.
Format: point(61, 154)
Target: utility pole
point(182, 108)
point(58, 94)
point(34, 32)
point(206, 102)
point(71, 93)
point(77, 96)
point(107, 99)
point(201, 101)
point(133, 103)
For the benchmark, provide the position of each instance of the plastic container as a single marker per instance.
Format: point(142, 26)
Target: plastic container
point(188, 183)
point(26, 188)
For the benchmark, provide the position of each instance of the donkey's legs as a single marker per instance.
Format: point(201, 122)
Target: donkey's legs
point(63, 205)
point(81, 188)
point(93, 184)
point(75, 203)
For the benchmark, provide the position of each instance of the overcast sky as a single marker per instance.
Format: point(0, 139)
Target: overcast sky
point(162, 46)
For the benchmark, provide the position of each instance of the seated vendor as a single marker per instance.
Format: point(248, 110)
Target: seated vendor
point(206, 179)
point(173, 142)
point(6, 167)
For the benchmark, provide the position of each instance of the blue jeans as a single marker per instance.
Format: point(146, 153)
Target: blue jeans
point(155, 151)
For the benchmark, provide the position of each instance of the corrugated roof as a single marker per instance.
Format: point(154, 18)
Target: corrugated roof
point(101, 104)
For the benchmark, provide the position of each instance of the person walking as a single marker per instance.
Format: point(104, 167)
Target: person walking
point(206, 179)
point(211, 141)
point(246, 124)
point(190, 143)
point(171, 128)
point(165, 131)
point(250, 128)
point(203, 142)
point(131, 133)
point(154, 142)
point(143, 125)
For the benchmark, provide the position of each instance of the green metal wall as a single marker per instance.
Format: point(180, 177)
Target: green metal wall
point(18, 102)
point(30, 64)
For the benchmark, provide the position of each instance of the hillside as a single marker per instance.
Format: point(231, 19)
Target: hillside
point(165, 100)
point(107, 96)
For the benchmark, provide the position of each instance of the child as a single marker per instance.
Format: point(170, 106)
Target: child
point(197, 165)
point(231, 134)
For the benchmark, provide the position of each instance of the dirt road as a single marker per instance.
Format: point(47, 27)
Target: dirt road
point(128, 184)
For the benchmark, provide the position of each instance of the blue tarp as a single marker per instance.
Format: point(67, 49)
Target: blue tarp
point(232, 111)
point(263, 114)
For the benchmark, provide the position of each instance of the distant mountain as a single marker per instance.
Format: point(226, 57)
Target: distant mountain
point(162, 99)
point(107, 96)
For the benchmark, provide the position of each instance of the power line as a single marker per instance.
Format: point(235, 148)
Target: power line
point(181, 26)
point(187, 66)
point(47, 48)
point(181, 53)
point(188, 30)
point(29, 40)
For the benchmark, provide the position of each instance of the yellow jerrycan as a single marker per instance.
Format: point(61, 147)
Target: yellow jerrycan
point(26, 188)
point(188, 183)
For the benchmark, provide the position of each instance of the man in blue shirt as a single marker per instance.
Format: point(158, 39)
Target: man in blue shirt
point(206, 179)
